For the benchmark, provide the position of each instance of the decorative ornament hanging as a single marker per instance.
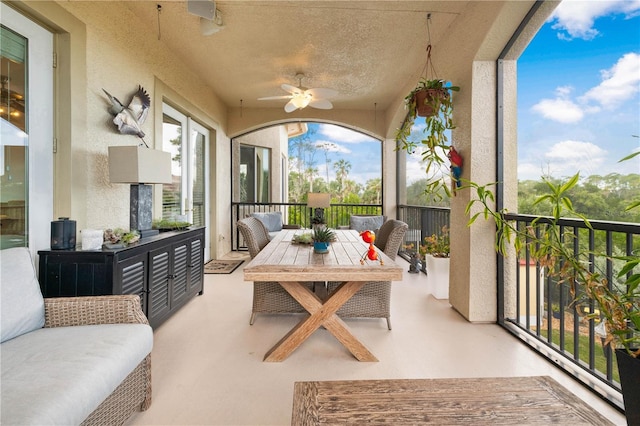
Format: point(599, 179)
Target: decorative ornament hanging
point(456, 169)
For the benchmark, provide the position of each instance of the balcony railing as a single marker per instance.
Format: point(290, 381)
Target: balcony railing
point(545, 313)
point(423, 222)
point(336, 215)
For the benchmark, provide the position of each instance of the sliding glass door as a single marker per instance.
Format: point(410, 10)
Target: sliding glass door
point(186, 198)
point(26, 132)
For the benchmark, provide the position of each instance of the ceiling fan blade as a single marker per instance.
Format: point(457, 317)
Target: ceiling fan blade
point(322, 93)
point(320, 104)
point(290, 107)
point(268, 98)
point(291, 89)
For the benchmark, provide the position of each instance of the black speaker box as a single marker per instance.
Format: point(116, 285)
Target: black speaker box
point(63, 234)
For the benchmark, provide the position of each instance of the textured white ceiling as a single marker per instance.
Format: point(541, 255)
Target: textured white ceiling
point(369, 51)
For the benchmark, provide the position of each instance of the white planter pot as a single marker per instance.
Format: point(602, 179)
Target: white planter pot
point(438, 276)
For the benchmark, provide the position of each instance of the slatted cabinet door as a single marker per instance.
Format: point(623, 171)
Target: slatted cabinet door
point(159, 289)
point(179, 269)
point(132, 275)
point(196, 267)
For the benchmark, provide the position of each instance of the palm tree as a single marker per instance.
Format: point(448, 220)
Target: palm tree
point(342, 168)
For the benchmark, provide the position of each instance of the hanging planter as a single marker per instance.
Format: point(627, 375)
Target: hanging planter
point(431, 98)
point(428, 101)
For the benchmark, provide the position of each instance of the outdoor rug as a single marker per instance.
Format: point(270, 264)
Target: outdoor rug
point(221, 266)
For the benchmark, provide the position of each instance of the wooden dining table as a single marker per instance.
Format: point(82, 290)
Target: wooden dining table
point(293, 264)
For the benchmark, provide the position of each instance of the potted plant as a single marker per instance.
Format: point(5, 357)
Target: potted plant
point(119, 238)
point(615, 304)
point(430, 98)
point(322, 238)
point(435, 97)
point(435, 251)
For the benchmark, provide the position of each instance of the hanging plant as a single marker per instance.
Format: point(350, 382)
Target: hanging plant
point(432, 99)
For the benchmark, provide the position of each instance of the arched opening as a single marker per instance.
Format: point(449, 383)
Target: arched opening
point(275, 168)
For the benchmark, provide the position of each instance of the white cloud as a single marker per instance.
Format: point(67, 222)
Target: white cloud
point(562, 159)
point(575, 18)
point(568, 157)
point(619, 83)
point(529, 171)
point(342, 134)
point(332, 147)
point(561, 110)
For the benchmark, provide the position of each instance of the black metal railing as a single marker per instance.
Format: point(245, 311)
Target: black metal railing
point(337, 215)
point(423, 222)
point(545, 313)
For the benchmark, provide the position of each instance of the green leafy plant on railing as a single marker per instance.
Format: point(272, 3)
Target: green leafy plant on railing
point(553, 248)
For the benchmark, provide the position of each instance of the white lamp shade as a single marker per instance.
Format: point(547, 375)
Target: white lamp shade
point(136, 164)
point(318, 200)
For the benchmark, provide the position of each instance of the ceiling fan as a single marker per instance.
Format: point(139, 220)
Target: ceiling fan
point(301, 97)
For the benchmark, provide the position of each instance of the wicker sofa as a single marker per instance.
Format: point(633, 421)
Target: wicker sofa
point(77, 360)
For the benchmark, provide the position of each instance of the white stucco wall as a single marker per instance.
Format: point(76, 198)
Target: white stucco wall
point(118, 53)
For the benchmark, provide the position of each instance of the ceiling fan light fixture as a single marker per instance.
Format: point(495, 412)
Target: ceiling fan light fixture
point(301, 100)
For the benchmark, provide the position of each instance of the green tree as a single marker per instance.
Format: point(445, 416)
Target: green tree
point(372, 191)
point(342, 168)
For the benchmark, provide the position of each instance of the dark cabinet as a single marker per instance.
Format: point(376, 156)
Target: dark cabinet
point(165, 270)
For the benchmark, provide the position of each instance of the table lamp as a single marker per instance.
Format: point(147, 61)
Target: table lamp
point(140, 167)
point(318, 201)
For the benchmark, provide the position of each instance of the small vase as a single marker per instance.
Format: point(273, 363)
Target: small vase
point(321, 246)
point(438, 276)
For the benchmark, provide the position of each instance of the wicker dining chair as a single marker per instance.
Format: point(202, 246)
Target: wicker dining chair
point(269, 297)
point(373, 300)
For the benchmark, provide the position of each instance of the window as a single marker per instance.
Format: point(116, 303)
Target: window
point(254, 174)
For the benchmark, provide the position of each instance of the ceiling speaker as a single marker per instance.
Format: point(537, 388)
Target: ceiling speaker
point(203, 8)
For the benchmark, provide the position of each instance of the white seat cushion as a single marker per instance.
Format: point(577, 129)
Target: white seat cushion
point(21, 302)
point(58, 376)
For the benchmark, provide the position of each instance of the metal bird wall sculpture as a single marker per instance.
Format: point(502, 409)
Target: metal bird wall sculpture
point(129, 119)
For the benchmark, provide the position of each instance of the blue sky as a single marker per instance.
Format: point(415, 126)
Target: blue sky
point(578, 92)
point(363, 152)
point(578, 99)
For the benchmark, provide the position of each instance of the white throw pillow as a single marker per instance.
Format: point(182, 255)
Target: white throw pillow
point(22, 305)
point(364, 223)
point(272, 220)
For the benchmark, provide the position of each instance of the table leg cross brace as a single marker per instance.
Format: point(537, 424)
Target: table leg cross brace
point(321, 315)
